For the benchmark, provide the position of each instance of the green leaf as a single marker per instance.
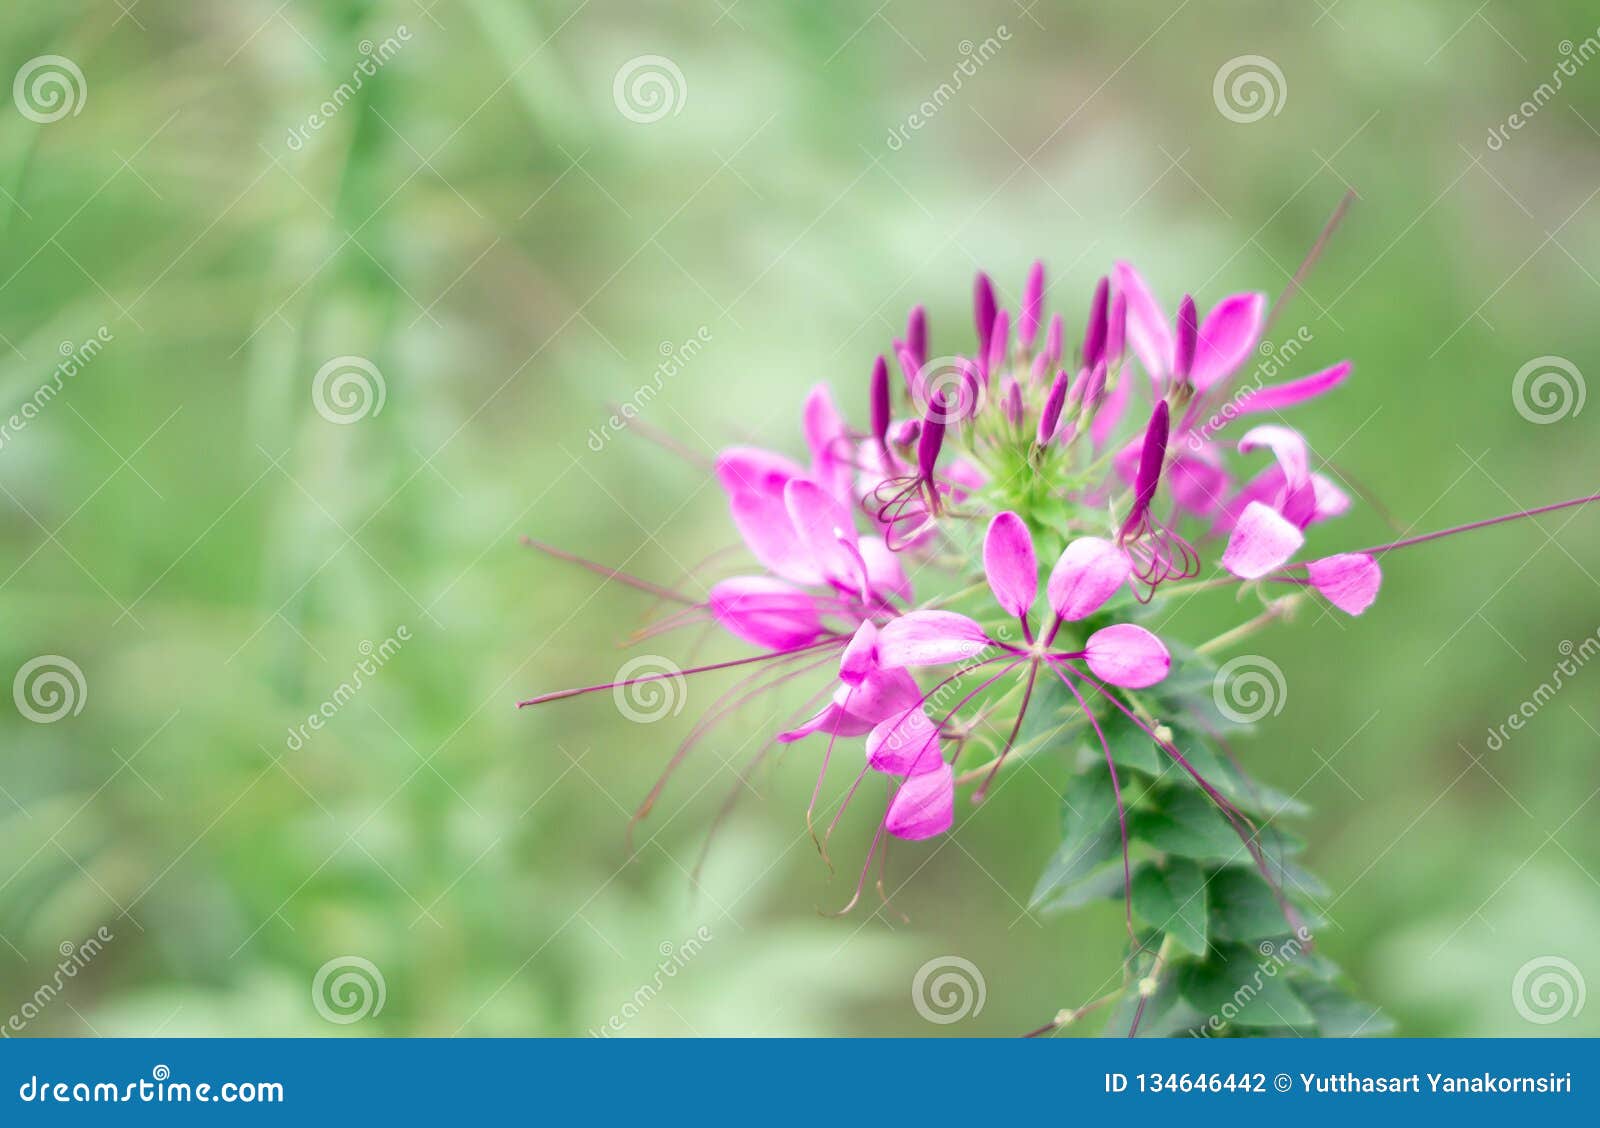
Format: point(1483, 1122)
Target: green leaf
point(1243, 988)
point(1131, 747)
point(1090, 837)
point(1206, 757)
point(1052, 713)
point(1173, 898)
point(1181, 821)
point(1166, 1014)
point(1340, 1016)
point(1243, 907)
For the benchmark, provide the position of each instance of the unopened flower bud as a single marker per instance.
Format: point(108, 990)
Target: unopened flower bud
point(1050, 417)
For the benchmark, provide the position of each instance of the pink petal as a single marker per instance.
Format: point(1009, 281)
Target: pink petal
point(766, 612)
point(1262, 541)
point(965, 478)
point(829, 442)
point(1280, 396)
point(929, 638)
point(1089, 572)
point(832, 719)
point(746, 469)
point(1110, 412)
point(825, 529)
point(1288, 447)
point(905, 744)
point(1227, 336)
point(883, 694)
point(1331, 501)
point(924, 805)
point(1349, 581)
point(754, 480)
point(1127, 655)
point(860, 655)
point(884, 572)
point(1010, 564)
point(1298, 501)
point(1196, 484)
point(1147, 330)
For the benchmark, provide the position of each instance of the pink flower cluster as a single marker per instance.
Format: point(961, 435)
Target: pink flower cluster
point(1025, 442)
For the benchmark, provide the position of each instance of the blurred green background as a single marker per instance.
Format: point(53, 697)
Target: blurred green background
point(511, 253)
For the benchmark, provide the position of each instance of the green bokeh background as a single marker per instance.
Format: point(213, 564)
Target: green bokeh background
point(512, 253)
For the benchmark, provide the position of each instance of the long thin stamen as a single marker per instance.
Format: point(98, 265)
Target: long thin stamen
point(723, 706)
point(831, 640)
point(1425, 537)
point(1016, 727)
point(609, 573)
point(1310, 260)
point(1116, 791)
point(1242, 824)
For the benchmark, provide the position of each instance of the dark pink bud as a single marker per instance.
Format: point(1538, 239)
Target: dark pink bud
point(983, 310)
point(1095, 390)
point(971, 390)
point(932, 437)
point(910, 369)
point(1032, 310)
point(1117, 329)
point(1050, 417)
point(1151, 459)
point(1039, 369)
point(1012, 402)
point(1079, 382)
point(999, 341)
point(879, 392)
point(1052, 341)
point(917, 334)
point(1187, 332)
point(1094, 334)
point(906, 432)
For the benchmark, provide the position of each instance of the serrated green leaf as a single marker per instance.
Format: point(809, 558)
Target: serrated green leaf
point(1131, 747)
point(1176, 820)
point(1243, 908)
point(1205, 756)
point(1241, 988)
point(1166, 1015)
point(1053, 714)
point(1173, 898)
point(1090, 837)
point(1338, 1015)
